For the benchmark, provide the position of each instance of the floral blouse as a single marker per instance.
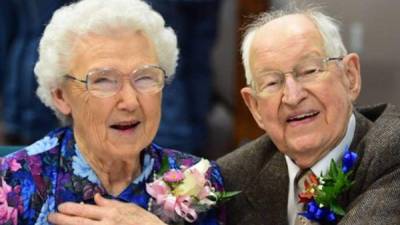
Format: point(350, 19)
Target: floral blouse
point(36, 179)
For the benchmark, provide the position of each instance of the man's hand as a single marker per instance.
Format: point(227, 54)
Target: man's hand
point(106, 212)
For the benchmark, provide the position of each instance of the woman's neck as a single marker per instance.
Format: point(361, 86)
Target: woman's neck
point(114, 173)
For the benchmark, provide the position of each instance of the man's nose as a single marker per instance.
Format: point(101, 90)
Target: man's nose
point(293, 91)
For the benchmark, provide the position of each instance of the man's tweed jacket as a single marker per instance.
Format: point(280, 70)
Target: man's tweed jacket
point(259, 170)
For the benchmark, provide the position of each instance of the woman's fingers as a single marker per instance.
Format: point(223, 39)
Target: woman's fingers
point(63, 219)
point(101, 201)
point(88, 211)
point(105, 211)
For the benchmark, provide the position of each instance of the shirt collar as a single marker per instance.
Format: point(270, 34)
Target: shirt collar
point(322, 166)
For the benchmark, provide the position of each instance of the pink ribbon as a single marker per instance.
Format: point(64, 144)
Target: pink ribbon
point(184, 210)
point(181, 205)
point(158, 190)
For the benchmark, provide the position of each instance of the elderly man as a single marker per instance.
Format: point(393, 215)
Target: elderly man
point(321, 160)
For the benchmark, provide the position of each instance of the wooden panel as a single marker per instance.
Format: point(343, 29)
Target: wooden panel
point(245, 127)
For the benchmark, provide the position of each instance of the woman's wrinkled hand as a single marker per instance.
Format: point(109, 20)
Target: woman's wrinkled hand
point(105, 212)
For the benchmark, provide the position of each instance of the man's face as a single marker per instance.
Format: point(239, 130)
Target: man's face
point(304, 120)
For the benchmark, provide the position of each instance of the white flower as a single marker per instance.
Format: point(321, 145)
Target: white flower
point(42, 145)
point(194, 181)
point(202, 167)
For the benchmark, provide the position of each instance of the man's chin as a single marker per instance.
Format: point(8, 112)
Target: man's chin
point(305, 162)
point(305, 156)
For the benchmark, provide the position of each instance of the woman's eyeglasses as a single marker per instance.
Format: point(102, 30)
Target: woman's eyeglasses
point(106, 82)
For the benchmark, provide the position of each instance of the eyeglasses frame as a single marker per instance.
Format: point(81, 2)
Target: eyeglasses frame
point(69, 76)
point(324, 60)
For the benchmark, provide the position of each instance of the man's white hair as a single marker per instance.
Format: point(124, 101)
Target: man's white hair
point(327, 26)
point(99, 17)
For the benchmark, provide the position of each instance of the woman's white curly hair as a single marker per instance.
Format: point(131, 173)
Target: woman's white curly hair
point(100, 17)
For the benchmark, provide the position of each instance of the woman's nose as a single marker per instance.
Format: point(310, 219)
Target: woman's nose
point(128, 97)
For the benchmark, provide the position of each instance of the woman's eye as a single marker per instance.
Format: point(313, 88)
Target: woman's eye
point(102, 80)
point(145, 81)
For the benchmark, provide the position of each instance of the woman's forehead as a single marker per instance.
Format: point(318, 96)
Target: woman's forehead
point(124, 51)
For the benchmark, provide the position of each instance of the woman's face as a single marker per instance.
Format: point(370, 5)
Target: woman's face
point(120, 125)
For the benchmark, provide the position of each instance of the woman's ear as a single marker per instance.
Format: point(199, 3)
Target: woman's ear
point(353, 74)
point(252, 104)
point(60, 101)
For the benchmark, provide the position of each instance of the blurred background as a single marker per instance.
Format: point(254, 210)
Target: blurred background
point(211, 118)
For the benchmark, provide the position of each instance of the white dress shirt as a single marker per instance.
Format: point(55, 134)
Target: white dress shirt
point(322, 166)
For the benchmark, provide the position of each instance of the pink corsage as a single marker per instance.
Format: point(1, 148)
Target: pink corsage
point(183, 194)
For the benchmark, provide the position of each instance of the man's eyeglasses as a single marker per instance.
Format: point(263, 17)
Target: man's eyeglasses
point(271, 82)
point(106, 82)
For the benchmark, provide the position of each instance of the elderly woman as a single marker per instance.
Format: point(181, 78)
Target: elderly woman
point(101, 68)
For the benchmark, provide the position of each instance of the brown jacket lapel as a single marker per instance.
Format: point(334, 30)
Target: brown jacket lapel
point(260, 172)
point(269, 191)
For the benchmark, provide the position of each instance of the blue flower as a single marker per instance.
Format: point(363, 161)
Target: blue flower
point(42, 145)
point(28, 188)
point(316, 213)
point(48, 207)
point(81, 167)
point(68, 196)
point(331, 217)
point(320, 213)
point(349, 158)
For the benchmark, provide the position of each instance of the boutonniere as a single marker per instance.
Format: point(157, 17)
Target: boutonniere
point(322, 193)
point(183, 194)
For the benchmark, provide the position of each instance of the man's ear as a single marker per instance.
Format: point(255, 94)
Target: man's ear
point(60, 101)
point(353, 74)
point(252, 104)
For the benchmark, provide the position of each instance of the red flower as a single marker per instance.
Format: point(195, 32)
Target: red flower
point(309, 185)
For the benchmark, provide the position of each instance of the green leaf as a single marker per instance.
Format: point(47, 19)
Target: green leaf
point(164, 165)
point(333, 170)
point(224, 196)
point(325, 196)
point(337, 209)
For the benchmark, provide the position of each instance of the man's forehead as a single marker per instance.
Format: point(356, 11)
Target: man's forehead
point(291, 36)
point(285, 31)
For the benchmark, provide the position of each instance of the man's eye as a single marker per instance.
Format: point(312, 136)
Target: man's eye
point(309, 71)
point(271, 83)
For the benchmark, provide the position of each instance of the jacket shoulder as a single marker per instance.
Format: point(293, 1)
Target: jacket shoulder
point(384, 132)
point(247, 161)
point(379, 147)
point(376, 177)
